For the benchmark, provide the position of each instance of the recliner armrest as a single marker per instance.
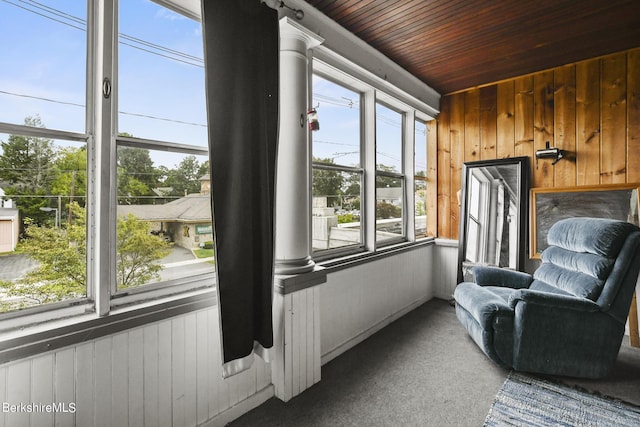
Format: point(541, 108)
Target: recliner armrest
point(552, 300)
point(496, 276)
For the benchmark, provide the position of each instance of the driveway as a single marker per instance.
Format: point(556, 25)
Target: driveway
point(14, 266)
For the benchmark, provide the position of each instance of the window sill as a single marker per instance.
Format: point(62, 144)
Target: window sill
point(31, 340)
point(293, 283)
point(366, 257)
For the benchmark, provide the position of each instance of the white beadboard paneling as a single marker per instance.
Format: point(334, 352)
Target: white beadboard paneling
point(85, 389)
point(358, 301)
point(3, 393)
point(42, 384)
point(202, 365)
point(190, 375)
point(215, 393)
point(18, 391)
point(120, 380)
point(445, 275)
point(151, 353)
point(65, 385)
point(296, 364)
point(177, 370)
point(136, 377)
point(164, 350)
point(166, 373)
point(102, 382)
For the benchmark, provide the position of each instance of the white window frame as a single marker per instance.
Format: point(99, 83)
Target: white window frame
point(332, 66)
point(104, 310)
point(353, 85)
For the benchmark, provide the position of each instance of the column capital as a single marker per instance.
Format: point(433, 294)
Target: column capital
point(294, 36)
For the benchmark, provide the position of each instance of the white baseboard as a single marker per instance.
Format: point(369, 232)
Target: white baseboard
point(337, 351)
point(241, 408)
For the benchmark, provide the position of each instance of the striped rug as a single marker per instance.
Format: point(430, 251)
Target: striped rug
point(527, 401)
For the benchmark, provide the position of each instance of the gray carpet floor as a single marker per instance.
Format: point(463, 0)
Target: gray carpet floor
point(422, 370)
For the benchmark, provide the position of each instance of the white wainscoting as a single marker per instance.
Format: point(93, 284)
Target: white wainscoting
point(162, 374)
point(168, 373)
point(296, 365)
point(358, 301)
point(445, 268)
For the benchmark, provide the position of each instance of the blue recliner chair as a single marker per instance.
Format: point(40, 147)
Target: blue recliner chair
point(569, 317)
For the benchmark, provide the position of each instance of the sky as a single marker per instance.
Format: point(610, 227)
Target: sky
point(160, 87)
point(161, 70)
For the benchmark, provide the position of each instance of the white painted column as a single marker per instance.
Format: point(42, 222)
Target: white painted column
point(293, 186)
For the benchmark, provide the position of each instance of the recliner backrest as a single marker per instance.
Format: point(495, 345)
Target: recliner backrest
point(582, 254)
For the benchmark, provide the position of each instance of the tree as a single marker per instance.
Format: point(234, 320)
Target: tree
point(26, 170)
point(70, 181)
point(138, 250)
point(185, 178)
point(61, 256)
point(137, 175)
point(326, 182)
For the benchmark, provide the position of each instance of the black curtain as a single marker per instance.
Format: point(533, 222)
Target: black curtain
point(241, 39)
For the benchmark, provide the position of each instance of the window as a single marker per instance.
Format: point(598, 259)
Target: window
point(337, 171)
point(42, 220)
point(164, 229)
point(475, 221)
point(53, 202)
point(161, 89)
point(389, 174)
point(43, 154)
point(420, 178)
point(368, 157)
point(44, 66)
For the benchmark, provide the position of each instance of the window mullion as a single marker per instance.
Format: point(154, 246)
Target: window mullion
point(409, 173)
point(369, 158)
point(102, 186)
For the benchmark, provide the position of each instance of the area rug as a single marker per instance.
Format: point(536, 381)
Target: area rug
point(525, 400)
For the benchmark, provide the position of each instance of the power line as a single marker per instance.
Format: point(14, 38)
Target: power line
point(40, 98)
point(147, 116)
point(197, 61)
point(44, 16)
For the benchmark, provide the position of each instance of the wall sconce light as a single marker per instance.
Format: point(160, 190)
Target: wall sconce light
point(549, 153)
point(312, 117)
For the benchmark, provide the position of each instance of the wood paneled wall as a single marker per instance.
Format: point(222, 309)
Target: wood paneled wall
point(590, 109)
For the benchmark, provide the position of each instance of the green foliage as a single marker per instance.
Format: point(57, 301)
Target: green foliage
point(326, 182)
point(185, 178)
point(26, 170)
point(203, 253)
point(347, 217)
point(137, 175)
point(61, 256)
point(386, 210)
point(138, 250)
point(70, 173)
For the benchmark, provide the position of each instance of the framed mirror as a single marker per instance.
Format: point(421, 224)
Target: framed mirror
point(493, 214)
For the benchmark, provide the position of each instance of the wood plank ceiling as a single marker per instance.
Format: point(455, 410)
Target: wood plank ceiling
point(454, 45)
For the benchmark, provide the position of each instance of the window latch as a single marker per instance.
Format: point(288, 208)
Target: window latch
point(106, 88)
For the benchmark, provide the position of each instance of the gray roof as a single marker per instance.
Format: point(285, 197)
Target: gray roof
point(191, 208)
